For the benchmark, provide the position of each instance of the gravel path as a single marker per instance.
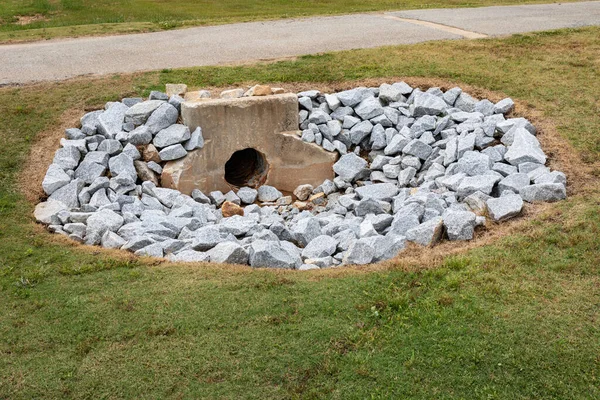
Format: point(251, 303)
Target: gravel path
point(236, 43)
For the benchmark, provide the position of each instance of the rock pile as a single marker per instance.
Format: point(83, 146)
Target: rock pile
point(414, 166)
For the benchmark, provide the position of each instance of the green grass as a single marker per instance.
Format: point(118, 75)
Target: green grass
point(68, 18)
point(517, 319)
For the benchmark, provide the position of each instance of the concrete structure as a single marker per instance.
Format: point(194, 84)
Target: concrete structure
point(249, 141)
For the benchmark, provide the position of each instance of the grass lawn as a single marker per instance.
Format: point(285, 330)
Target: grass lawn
point(25, 20)
point(516, 318)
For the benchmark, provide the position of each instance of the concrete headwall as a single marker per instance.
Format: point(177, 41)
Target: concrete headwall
point(268, 124)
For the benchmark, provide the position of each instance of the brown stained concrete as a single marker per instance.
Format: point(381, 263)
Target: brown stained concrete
point(268, 124)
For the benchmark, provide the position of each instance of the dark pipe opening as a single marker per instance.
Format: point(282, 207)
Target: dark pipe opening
point(246, 167)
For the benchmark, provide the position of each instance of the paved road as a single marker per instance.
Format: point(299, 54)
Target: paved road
point(235, 43)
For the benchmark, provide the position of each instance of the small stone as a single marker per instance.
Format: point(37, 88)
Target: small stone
point(55, 179)
point(232, 93)
point(150, 153)
point(158, 95)
point(474, 163)
point(145, 173)
point(173, 89)
point(504, 207)
point(228, 252)
point(111, 120)
point(111, 240)
point(139, 113)
point(369, 108)
point(196, 140)
point(122, 165)
point(548, 192)
point(47, 211)
point(259, 90)
point(360, 131)
point(163, 117)
point(67, 158)
point(172, 135)
point(360, 252)
point(459, 224)
point(390, 93)
point(110, 146)
point(173, 152)
point(229, 209)
point(268, 193)
point(69, 193)
point(418, 149)
point(352, 97)
point(303, 192)
point(88, 171)
point(428, 233)
point(349, 167)
point(504, 106)
point(306, 230)
point(525, 148)
point(217, 197)
point(378, 191)
point(270, 254)
point(189, 256)
point(428, 104)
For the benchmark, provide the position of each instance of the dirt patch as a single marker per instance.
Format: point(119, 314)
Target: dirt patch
point(580, 180)
point(30, 19)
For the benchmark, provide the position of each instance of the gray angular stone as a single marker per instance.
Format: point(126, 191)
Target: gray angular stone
point(474, 163)
point(153, 250)
point(390, 93)
point(111, 240)
point(157, 95)
point(110, 146)
point(247, 195)
point(205, 238)
point(551, 177)
point(54, 179)
point(548, 192)
point(352, 97)
point(405, 176)
point(164, 116)
point(368, 108)
point(504, 106)
point(360, 131)
point(196, 140)
point(321, 246)
point(378, 191)
point(228, 252)
point(318, 117)
point(68, 194)
point(505, 207)
point(217, 197)
point(110, 121)
point(173, 152)
point(189, 256)
point(306, 230)
point(525, 148)
point(140, 136)
point(171, 135)
point(100, 222)
point(236, 225)
point(472, 184)
point(360, 252)
point(465, 102)
point(428, 233)
point(268, 193)
point(418, 149)
point(88, 171)
point(270, 254)
point(122, 165)
point(514, 182)
point(396, 145)
point(47, 211)
point(459, 225)
point(428, 104)
point(349, 167)
point(74, 134)
point(139, 112)
point(67, 158)
point(132, 151)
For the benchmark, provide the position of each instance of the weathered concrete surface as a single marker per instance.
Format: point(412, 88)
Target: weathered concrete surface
point(505, 20)
point(268, 124)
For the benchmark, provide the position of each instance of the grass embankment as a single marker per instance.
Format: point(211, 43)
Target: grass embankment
point(26, 20)
point(514, 319)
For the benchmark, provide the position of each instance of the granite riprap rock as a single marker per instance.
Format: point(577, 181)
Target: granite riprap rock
point(413, 166)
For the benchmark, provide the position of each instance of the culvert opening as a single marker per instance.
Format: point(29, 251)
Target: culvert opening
point(246, 167)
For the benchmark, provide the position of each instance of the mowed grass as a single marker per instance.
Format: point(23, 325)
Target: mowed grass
point(516, 319)
point(24, 20)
